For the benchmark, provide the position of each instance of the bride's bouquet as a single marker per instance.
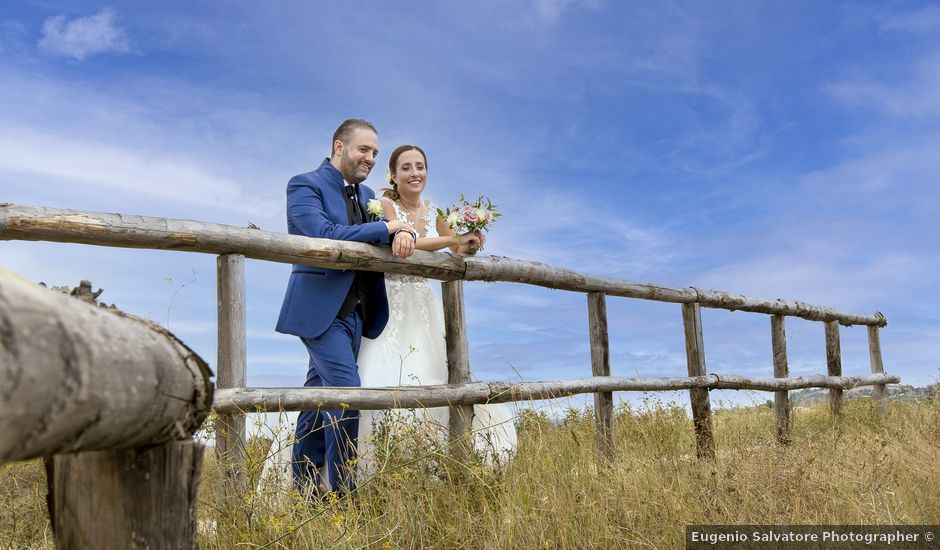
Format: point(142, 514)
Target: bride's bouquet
point(466, 216)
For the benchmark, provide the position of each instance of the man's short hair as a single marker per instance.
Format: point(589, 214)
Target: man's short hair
point(345, 130)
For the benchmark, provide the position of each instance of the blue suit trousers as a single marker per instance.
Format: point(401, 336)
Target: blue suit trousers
point(329, 437)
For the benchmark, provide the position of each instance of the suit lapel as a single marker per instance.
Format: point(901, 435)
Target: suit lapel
point(339, 194)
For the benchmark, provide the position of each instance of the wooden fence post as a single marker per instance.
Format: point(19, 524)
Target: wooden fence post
point(458, 355)
point(877, 367)
point(834, 364)
point(778, 339)
point(695, 355)
point(230, 438)
point(600, 366)
point(128, 498)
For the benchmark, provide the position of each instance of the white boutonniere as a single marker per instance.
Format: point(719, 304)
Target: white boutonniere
point(375, 210)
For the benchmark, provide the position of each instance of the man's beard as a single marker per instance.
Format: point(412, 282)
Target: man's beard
point(350, 168)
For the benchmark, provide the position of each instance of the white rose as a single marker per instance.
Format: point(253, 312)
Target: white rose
point(375, 208)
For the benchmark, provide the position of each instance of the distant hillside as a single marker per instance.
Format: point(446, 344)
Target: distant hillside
point(895, 391)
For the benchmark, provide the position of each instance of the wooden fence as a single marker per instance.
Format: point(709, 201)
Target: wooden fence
point(234, 244)
point(113, 401)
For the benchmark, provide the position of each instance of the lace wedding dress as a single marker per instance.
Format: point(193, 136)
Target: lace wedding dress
point(411, 351)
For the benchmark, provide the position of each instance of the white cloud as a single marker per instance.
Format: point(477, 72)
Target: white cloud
point(129, 172)
point(578, 223)
point(552, 10)
point(919, 21)
point(821, 276)
point(12, 36)
point(915, 98)
point(894, 176)
point(83, 37)
point(296, 358)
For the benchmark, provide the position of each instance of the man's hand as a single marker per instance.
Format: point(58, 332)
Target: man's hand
point(403, 245)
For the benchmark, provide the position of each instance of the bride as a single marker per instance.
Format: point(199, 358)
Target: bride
point(411, 350)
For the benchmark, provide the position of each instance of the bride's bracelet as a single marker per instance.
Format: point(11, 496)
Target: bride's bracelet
point(413, 233)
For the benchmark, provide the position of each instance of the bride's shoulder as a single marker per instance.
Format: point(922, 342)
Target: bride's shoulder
point(389, 202)
point(390, 207)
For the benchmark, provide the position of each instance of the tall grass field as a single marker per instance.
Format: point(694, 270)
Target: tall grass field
point(557, 492)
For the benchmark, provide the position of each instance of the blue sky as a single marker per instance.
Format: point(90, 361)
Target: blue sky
point(763, 148)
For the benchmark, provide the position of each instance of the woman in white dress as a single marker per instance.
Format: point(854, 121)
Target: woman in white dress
point(411, 350)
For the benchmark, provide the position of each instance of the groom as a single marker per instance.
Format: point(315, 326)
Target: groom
point(330, 310)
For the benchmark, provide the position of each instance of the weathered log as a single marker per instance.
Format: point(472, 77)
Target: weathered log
point(834, 364)
point(778, 340)
point(129, 231)
point(500, 268)
point(458, 356)
point(600, 366)
point(232, 336)
point(129, 498)
point(78, 377)
point(877, 367)
point(497, 268)
point(695, 358)
point(410, 397)
point(39, 223)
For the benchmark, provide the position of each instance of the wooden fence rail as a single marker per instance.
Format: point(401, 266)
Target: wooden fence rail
point(234, 244)
point(115, 400)
point(235, 400)
point(75, 226)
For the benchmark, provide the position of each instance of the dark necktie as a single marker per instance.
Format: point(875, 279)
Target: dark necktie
point(357, 293)
point(353, 208)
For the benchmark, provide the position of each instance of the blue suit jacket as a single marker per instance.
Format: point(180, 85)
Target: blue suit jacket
point(316, 208)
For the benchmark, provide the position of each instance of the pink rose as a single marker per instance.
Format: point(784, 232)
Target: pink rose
point(471, 217)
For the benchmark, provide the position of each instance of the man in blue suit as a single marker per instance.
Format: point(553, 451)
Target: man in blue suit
point(330, 310)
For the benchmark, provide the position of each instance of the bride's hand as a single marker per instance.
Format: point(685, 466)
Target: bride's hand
point(471, 240)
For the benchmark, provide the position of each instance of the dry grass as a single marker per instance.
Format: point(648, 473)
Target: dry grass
point(557, 493)
point(23, 519)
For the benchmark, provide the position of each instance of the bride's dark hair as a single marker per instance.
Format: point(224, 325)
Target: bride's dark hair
point(392, 192)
